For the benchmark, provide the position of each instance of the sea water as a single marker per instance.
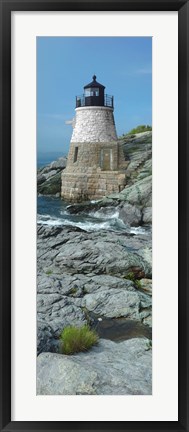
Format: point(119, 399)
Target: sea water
point(55, 211)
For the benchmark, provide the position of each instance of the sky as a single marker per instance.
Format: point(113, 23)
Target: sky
point(66, 64)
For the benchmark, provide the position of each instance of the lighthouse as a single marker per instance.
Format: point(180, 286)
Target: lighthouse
point(95, 159)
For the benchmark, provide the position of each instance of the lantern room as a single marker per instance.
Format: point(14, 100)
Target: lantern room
point(94, 96)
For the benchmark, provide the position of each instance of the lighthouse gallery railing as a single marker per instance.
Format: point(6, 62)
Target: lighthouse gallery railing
point(82, 101)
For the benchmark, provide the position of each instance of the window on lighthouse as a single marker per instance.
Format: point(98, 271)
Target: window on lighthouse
point(95, 92)
point(92, 92)
point(75, 154)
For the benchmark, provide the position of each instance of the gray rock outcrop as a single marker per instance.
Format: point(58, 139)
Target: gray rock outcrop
point(109, 368)
point(82, 273)
point(49, 177)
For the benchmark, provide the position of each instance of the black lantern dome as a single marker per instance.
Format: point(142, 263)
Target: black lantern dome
point(94, 95)
point(94, 83)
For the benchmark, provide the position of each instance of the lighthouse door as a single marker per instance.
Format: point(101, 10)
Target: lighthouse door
point(106, 158)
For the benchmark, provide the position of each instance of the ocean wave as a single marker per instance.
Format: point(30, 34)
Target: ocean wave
point(64, 213)
point(138, 230)
point(112, 223)
point(48, 220)
point(104, 214)
point(86, 226)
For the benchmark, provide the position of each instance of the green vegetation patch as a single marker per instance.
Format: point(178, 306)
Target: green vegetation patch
point(140, 128)
point(131, 276)
point(77, 339)
point(73, 291)
point(138, 284)
point(49, 272)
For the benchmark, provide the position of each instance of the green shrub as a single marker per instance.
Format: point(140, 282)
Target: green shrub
point(77, 339)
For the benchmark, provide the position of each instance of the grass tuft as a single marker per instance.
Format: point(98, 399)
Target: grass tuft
point(138, 284)
point(130, 276)
point(77, 339)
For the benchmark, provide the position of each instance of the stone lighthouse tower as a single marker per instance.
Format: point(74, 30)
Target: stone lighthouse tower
point(92, 170)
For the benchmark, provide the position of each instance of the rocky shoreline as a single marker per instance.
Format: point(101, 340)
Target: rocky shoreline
point(97, 277)
point(108, 369)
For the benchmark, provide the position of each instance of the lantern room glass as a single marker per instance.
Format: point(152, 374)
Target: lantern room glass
point(93, 91)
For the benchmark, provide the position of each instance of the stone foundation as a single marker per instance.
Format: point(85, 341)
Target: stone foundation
point(80, 187)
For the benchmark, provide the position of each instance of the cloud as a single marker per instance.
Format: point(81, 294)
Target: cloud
point(141, 71)
point(144, 71)
point(61, 117)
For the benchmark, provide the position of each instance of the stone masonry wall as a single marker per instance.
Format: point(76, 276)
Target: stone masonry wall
point(89, 156)
point(92, 185)
point(94, 124)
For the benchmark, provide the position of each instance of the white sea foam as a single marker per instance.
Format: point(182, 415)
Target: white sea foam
point(137, 230)
point(101, 214)
point(87, 226)
point(64, 212)
point(44, 217)
point(48, 220)
point(109, 222)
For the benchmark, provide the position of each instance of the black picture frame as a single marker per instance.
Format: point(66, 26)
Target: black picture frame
point(6, 7)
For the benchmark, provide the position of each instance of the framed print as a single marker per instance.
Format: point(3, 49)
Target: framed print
point(94, 232)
